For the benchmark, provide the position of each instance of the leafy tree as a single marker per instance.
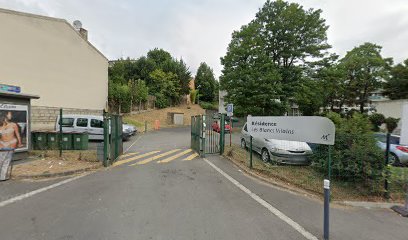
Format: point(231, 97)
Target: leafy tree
point(165, 88)
point(309, 97)
point(119, 96)
point(366, 69)
point(397, 85)
point(266, 58)
point(205, 82)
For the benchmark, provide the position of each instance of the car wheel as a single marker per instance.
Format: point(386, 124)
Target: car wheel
point(265, 155)
point(243, 144)
point(393, 160)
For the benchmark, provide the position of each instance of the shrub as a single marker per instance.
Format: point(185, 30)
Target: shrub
point(355, 155)
point(193, 96)
point(376, 120)
point(208, 105)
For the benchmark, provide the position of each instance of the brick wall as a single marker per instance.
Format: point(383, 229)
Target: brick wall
point(43, 118)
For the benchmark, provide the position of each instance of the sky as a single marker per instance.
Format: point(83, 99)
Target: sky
point(200, 30)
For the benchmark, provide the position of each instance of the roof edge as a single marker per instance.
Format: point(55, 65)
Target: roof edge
point(25, 14)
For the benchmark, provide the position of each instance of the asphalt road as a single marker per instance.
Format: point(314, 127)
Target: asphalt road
point(160, 190)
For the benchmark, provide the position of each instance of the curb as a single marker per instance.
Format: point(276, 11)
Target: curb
point(360, 204)
point(51, 175)
point(275, 183)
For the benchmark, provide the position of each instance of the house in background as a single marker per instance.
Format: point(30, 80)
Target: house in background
point(53, 59)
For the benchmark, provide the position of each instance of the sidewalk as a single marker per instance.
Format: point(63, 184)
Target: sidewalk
point(345, 222)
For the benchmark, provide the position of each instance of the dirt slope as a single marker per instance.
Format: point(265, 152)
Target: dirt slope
point(162, 114)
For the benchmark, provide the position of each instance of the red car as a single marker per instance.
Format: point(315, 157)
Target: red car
point(216, 127)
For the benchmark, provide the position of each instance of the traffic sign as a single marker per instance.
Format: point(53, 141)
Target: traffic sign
point(230, 109)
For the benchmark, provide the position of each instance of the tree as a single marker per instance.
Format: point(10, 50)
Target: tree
point(397, 85)
point(165, 88)
point(309, 97)
point(205, 82)
point(366, 70)
point(266, 58)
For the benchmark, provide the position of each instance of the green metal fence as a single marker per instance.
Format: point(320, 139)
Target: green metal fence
point(113, 139)
point(207, 134)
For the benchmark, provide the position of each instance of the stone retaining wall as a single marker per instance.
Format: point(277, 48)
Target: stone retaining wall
point(43, 118)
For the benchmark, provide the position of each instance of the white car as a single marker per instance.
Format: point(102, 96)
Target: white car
point(93, 125)
point(280, 151)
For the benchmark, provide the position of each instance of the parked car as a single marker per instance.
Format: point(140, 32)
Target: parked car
point(398, 153)
point(93, 125)
point(280, 151)
point(216, 127)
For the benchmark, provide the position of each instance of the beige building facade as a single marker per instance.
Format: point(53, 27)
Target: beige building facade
point(50, 58)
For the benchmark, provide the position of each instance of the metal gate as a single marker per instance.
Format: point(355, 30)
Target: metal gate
point(113, 138)
point(207, 134)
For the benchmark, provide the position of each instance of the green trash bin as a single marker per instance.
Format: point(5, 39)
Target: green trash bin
point(39, 140)
point(80, 141)
point(67, 141)
point(52, 140)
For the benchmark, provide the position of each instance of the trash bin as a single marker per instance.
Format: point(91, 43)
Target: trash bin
point(80, 141)
point(39, 140)
point(6, 154)
point(53, 140)
point(67, 141)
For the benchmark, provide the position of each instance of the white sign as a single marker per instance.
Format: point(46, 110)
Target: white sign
point(404, 126)
point(318, 130)
point(230, 109)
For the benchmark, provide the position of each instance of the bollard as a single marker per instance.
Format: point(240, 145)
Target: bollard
point(145, 126)
point(326, 216)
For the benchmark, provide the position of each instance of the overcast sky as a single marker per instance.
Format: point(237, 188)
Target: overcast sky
point(200, 30)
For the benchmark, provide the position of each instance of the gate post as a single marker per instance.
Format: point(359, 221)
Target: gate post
point(222, 134)
point(202, 135)
point(105, 138)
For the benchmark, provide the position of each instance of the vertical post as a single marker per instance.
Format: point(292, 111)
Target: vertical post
point(203, 130)
point(387, 154)
point(329, 163)
point(145, 126)
point(105, 139)
point(222, 134)
point(250, 152)
point(60, 133)
point(230, 131)
point(326, 216)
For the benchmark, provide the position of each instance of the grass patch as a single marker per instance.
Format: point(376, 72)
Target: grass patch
point(309, 179)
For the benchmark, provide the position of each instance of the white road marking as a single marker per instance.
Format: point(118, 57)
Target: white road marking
point(131, 145)
point(264, 203)
point(40, 190)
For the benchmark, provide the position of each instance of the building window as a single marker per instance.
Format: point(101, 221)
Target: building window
point(96, 123)
point(67, 122)
point(82, 122)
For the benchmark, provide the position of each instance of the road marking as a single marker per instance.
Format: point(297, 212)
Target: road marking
point(32, 193)
point(131, 145)
point(264, 203)
point(134, 158)
point(129, 154)
point(191, 157)
point(166, 160)
point(155, 157)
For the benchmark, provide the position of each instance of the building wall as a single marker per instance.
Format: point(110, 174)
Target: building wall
point(47, 57)
point(391, 108)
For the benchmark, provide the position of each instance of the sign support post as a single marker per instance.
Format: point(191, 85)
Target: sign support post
point(250, 152)
point(326, 185)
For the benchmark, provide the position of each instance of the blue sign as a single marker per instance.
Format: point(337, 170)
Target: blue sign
point(230, 109)
point(9, 88)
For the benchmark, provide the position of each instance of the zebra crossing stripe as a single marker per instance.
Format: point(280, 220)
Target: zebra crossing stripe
point(174, 156)
point(191, 157)
point(155, 157)
point(134, 158)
